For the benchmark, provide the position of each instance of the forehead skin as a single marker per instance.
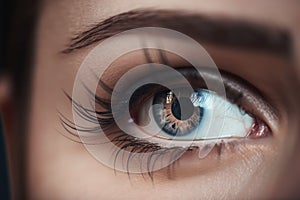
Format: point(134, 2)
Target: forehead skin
point(61, 169)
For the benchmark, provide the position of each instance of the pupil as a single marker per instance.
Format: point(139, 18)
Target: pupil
point(187, 108)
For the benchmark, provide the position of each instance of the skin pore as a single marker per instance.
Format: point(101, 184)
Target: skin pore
point(59, 168)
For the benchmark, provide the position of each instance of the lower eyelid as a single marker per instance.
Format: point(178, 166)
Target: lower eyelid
point(229, 154)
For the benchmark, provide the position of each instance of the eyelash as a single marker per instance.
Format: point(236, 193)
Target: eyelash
point(127, 142)
point(123, 140)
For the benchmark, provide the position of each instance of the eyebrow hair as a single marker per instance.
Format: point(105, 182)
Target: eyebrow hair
point(219, 31)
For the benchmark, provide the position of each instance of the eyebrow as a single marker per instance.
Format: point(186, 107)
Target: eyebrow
point(214, 30)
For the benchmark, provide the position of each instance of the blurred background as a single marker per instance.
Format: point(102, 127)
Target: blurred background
point(4, 189)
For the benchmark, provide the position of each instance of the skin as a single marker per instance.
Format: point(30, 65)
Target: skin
point(58, 168)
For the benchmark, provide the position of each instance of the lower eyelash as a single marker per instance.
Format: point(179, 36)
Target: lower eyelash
point(136, 146)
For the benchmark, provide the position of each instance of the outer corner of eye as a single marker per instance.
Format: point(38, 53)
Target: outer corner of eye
point(259, 129)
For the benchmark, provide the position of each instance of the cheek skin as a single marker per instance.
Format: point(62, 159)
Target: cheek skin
point(242, 169)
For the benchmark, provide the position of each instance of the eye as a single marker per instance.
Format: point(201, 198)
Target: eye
point(190, 116)
point(198, 116)
point(186, 119)
point(131, 122)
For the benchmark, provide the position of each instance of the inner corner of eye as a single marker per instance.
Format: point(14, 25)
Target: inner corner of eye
point(198, 115)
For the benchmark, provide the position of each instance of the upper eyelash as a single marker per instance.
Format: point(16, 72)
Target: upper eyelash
point(104, 103)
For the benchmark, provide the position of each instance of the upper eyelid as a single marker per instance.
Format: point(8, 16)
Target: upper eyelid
point(228, 77)
point(228, 32)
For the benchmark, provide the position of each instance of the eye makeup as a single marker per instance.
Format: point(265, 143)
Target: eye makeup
point(239, 93)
